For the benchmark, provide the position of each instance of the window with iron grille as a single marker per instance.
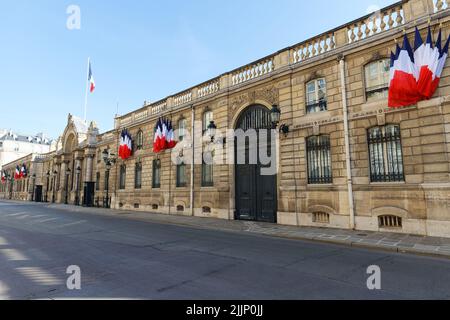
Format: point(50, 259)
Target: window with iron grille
point(385, 154)
point(181, 175)
point(97, 181)
point(140, 140)
point(138, 176)
point(122, 177)
point(316, 96)
point(377, 79)
point(207, 172)
point(319, 160)
point(156, 176)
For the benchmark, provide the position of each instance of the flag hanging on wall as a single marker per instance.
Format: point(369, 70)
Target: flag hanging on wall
point(23, 171)
point(425, 65)
point(3, 176)
point(403, 77)
point(125, 145)
point(163, 136)
point(17, 173)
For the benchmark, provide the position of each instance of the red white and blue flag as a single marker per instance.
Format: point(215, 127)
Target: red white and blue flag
point(425, 65)
point(125, 145)
point(23, 171)
point(91, 79)
point(164, 136)
point(158, 140)
point(403, 77)
point(17, 173)
point(3, 176)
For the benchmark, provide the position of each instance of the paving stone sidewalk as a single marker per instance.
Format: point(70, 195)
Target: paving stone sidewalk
point(401, 243)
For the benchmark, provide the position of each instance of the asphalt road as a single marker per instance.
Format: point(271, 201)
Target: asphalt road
point(124, 258)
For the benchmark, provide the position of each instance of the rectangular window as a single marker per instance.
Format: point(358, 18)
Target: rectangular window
point(122, 177)
point(138, 176)
point(181, 175)
point(385, 154)
point(377, 80)
point(319, 160)
point(181, 129)
point(316, 96)
point(156, 176)
point(207, 174)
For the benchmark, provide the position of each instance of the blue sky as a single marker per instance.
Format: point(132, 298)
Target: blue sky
point(140, 50)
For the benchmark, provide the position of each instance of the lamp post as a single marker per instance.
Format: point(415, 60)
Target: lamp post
point(66, 200)
point(109, 159)
point(54, 185)
point(46, 186)
point(275, 115)
point(77, 196)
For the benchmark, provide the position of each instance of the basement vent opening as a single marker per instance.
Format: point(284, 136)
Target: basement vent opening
point(321, 217)
point(180, 208)
point(121, 205)
point(206, 210)
point(154, 206)
point(136, 205)
point(390, 221)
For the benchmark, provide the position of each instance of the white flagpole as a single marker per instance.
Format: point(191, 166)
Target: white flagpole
point(87, 90)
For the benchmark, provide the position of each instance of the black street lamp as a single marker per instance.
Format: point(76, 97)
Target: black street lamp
point(77, 196)
point(275, 115)
point(109, 159)
point(66, 200)
point(55, 173)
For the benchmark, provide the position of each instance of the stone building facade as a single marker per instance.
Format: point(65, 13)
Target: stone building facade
point(345, 160)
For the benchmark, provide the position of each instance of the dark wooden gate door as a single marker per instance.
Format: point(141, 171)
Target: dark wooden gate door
point(38, 194)
point(256, 194)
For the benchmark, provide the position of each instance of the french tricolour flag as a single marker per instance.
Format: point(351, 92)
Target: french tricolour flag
point(436, 59)
point(91, 79)
point(403, 90)
point(17, 173)
point(158, 141)
point(170, 140)
point(125, 145)
point(23, 171)
point(3, 177)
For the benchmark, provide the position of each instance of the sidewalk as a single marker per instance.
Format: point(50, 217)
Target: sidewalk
point(394, 242)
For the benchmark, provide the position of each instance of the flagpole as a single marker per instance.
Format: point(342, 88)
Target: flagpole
point(87, 90)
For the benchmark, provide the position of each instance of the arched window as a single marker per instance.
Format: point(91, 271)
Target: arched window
point(139, 140)
point(319, 160)
point(122, 177)
point(385, 154)
point(207, 118)
point(316, 95)
point(181, 129)
point(377, 79)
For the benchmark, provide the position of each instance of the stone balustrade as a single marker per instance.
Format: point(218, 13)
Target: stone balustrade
point(314, 47)
point(182, 98)
point(397, 15)
point(380, 21)
point(208, 88)
point(252, 71)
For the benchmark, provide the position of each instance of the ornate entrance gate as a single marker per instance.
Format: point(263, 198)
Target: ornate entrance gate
point(256, 193)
